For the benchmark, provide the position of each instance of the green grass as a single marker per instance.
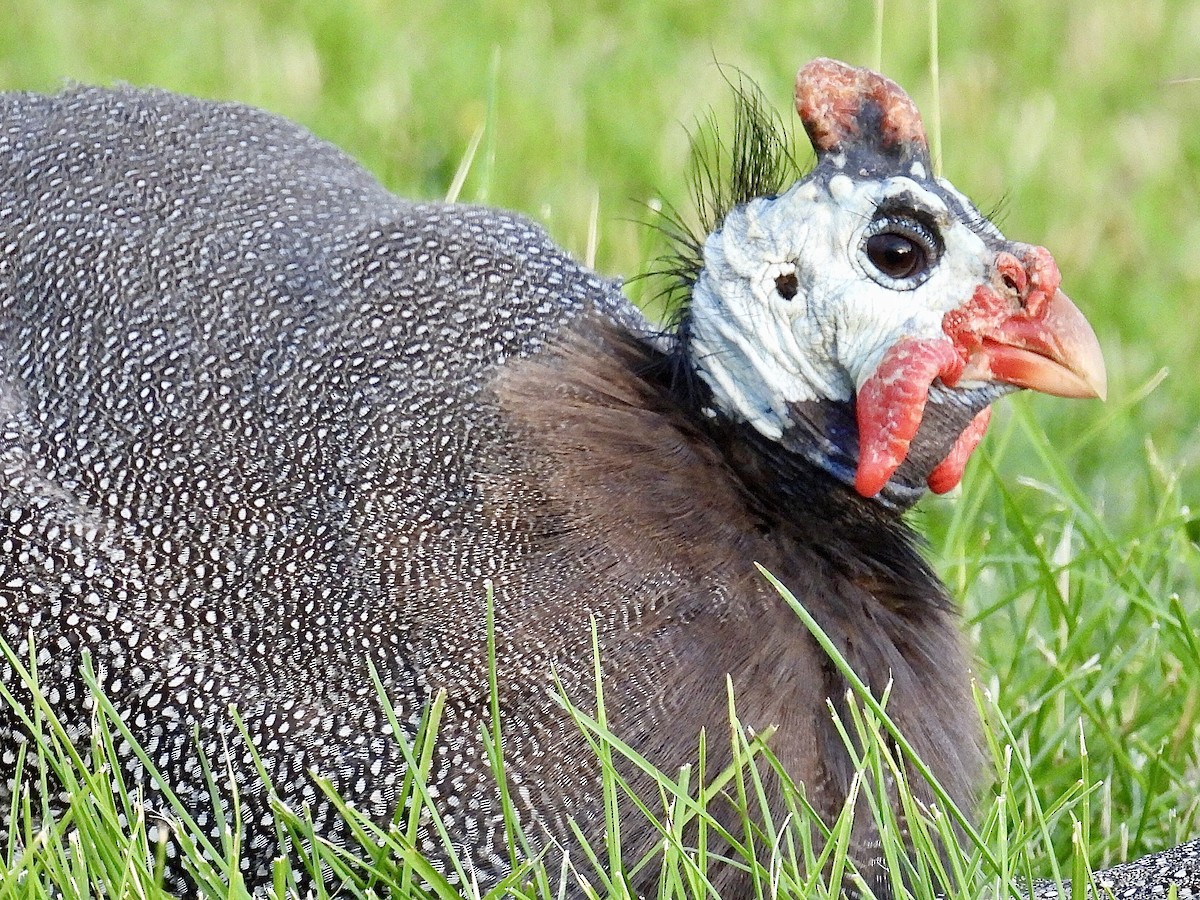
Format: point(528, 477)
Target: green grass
point(1072, 539)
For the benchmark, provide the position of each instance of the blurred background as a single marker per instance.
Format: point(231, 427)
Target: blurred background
point(1078, 121)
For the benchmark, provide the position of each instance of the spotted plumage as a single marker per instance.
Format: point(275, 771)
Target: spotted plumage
point(230, 367)
point(266, 426)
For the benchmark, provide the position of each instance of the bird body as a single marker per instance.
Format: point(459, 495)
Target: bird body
point(266, 427)
point(261, 347)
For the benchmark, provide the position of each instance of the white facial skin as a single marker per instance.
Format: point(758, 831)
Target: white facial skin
point(759, 351)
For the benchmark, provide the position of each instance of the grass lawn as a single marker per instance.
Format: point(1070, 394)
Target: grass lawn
point(1071, 542)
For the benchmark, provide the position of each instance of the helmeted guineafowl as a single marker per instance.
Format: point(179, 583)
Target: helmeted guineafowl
point(265, 426)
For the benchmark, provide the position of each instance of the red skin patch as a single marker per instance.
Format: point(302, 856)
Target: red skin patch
point(1033, 280)
point(891, 403)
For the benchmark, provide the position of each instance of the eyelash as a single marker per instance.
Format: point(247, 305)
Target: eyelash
point(910, 226)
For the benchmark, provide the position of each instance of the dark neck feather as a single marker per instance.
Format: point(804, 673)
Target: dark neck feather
point(813, 463)
point(800, 485)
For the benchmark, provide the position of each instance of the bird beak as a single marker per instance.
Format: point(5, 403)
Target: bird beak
point(1055, 352)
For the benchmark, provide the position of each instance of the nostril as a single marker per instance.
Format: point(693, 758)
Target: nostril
point(1013, 276)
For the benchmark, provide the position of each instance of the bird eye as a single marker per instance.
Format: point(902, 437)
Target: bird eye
point(902, 249)
point(895, 255)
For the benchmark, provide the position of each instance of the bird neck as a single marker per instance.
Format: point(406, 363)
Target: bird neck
point(810, 451)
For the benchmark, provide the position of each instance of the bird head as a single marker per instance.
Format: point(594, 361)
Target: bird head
point(868, 315)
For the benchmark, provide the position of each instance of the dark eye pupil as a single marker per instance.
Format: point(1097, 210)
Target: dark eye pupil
point(895, 255)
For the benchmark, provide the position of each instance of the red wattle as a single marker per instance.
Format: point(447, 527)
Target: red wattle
point(891, 402)
point(949, 472)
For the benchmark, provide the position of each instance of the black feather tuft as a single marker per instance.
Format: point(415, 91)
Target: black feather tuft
point(758, 160)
